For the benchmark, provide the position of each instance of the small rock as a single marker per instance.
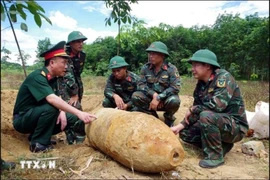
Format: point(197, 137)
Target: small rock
point(253, 148)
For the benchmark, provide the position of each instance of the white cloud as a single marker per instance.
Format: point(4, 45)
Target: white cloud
point(62, 21)
point(26, 42)
point(189, 13)
point(89, 8)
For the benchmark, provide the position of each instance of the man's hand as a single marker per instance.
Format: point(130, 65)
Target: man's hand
point(119, 101)
point(176, 129)
point(86, 117)
point(73, 100)
point(62, 119)
point(154, 104)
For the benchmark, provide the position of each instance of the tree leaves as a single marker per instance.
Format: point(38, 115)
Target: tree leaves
point(20, 7)
point(24, 27)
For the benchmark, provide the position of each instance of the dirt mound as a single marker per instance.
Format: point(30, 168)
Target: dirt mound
point(72, 158)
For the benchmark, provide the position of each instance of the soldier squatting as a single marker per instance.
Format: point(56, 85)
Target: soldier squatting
point(49, 99)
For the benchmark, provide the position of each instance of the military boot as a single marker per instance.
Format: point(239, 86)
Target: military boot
point(79, 139)
point(70, 136)
point(169, 119)
point(211, 163)
point(7, 165)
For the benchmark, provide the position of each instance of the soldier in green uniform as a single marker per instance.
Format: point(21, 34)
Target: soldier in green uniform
point(38, 108)
point(71, 85)
point(7, 165)
point(159, 85)
point(217, 118)
point(120, 85)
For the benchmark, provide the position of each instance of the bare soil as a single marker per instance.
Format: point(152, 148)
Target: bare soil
point(73, 158)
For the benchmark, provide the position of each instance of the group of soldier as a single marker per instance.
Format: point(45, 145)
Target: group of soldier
point(49, 100)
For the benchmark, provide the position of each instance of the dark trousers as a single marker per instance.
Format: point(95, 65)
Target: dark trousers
point(40, 121)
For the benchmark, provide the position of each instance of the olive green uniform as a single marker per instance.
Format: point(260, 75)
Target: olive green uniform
point(33, 114)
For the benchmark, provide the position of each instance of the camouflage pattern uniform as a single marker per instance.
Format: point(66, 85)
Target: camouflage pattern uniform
point(166, 83)
point(124, 89)
point(218, 116)
point(71, 84)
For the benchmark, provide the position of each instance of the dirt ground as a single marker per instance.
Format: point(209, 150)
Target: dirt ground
point(72, 158)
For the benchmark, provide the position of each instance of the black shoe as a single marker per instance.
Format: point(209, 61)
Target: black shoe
point(53, 142)
point(226, 147)
point(37, 147)
point(7, 165)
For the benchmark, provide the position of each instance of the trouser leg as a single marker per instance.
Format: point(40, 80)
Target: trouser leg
point(215, 129)
point(141, 102)
point(171, 105)
point(109, 103)
point(39, 121)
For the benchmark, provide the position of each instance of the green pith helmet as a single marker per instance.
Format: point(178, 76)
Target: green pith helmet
point(158, 46)
point(117, 62)
point(205, 56)
point(75, 35)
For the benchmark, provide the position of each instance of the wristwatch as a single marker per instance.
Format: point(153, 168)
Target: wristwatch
point(158, 98)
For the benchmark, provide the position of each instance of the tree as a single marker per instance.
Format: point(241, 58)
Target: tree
point(6, 53)
point(43, 45)
point(19, 7)
point(120, 14)
point(25, 56)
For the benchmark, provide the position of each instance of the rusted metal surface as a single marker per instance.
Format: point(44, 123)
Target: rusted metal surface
point(136, 140)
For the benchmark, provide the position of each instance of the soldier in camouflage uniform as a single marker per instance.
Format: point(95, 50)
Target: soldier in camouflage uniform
point(159, 85)
point(217, 118)
point(71, 85)
point(120, 85)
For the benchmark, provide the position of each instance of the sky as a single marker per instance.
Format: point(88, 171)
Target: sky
point(88, 17)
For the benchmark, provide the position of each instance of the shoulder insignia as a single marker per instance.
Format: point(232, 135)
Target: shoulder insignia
point(43, 73)
point(177, 74)
point(221, 82)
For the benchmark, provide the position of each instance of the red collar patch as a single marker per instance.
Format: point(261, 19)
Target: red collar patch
point(49, 77)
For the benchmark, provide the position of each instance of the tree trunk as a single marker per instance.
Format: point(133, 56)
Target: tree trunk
point(15, 39)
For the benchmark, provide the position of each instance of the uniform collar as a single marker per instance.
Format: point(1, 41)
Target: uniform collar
point(128, 77)
point(45, 72)
point(164, 66)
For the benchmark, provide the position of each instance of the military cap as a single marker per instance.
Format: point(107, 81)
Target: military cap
point(205, 56)
point(158, 46)
point(55, 51)
point(75, 35)
point(117, 62)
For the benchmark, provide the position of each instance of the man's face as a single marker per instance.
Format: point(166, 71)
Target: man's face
point(119, 73)
point(76, 45)
point(199, 70)
point(156, 58)
point(59, 66)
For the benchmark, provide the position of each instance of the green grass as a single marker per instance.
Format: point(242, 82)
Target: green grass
point(252, 91)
